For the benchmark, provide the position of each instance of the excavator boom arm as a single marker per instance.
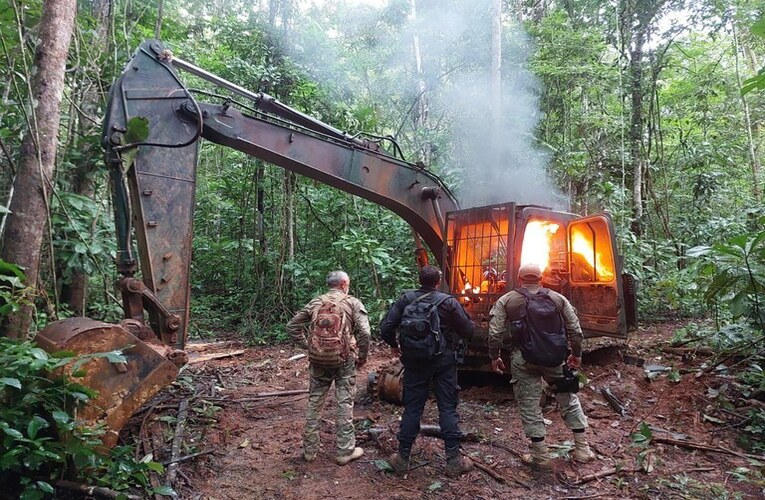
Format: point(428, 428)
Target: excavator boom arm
point(154, 175)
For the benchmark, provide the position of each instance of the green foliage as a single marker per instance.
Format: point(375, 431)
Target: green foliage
point(642, 437)
point(753, 437)
point(756, 82)
point(734, 274)
point(41, 439)
point(12, 288)
point(137, 132)
point(83, 230)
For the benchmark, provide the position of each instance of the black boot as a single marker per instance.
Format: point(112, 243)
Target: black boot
point(399, 462)
point(456, 464)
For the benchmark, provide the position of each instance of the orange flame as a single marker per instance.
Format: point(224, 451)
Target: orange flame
point(536, 243)
point(583, 246)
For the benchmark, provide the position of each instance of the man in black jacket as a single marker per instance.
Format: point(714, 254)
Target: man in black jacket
point(440, 371)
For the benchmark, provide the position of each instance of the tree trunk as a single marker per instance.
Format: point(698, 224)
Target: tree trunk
point(496, 84)
point(287, 252)
point(74, 293)
point(25, 229)
point(754, 157)
point(421, 118)
point(158, 25)
point(636, 128)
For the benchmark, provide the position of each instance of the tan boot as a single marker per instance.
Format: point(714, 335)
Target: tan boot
point(399, 464)
point(539, 458)
point(582, 451)
point(345, 459)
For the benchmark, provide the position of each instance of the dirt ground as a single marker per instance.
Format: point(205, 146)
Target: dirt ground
point(249, 446)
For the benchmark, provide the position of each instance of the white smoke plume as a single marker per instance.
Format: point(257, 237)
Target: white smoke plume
point(454, 40)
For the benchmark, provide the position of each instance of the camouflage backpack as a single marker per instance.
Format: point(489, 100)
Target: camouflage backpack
point(328, 345)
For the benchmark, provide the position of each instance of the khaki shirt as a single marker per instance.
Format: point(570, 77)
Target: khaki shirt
point(509, 308)
point(357, 329)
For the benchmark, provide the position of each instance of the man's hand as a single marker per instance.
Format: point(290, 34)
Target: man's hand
point(396, 351)
point(574, 362)
point(360, 362)
point(498, 366)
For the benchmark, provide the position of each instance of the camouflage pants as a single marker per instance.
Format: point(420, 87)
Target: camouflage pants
point(528, 392)
point(345, 393)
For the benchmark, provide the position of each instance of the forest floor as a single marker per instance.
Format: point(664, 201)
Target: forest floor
point(249, 445)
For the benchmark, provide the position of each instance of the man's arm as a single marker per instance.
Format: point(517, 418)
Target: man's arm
point(361, 329)
point(461, 322)
point(497, 326)
point(297, 326)
point(573, 333)
point(390, 322)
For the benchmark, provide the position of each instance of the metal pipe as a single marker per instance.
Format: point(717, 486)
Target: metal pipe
point(206, 75)
point(259, 97)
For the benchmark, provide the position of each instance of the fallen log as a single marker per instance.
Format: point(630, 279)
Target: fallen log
point(180, 430)
point(259, 396)
point(435, 431)
point(219, 355)
point(203, 346)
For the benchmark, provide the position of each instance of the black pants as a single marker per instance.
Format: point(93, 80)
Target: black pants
point(442, 373)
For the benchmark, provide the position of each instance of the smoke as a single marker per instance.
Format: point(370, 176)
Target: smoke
point(484, 148)
point(494, 137)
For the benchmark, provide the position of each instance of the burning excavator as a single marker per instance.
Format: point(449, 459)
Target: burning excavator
point(152, 131)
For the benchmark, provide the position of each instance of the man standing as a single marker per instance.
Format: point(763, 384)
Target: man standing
point(528, 389)
point(440, 370)
point(335, 329)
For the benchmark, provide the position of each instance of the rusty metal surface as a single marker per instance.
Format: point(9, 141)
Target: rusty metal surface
point(122, 389)
point(401, 187)
point(160, 186)
point(389, 384)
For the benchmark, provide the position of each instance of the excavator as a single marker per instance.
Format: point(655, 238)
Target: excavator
point(152, 132)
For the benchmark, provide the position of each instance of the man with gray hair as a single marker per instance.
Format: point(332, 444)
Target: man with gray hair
point(334, 327)
point(509, 314)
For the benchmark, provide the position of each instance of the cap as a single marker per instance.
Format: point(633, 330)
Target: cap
point(530, 272)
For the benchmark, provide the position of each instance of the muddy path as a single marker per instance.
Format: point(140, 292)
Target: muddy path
point(236, 441)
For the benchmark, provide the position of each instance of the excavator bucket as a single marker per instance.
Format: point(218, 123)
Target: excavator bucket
point(122, 387)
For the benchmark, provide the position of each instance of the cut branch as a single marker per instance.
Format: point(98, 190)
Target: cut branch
point(180, 430)
point(605, 473)
point(703, 447)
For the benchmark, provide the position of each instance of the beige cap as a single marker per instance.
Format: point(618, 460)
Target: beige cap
point(530, 272)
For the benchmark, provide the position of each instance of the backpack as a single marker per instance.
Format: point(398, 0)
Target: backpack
point(540, 333)
point(420, 328)
point(327, 343)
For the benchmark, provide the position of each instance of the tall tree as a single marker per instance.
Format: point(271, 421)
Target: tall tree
point(26, 224)
point(84, 123)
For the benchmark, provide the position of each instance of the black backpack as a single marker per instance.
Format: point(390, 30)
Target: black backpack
point(540, 333)
point(419, 333)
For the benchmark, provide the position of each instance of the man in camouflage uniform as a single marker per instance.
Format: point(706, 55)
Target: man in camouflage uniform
point(321, 378)
point(528, 387)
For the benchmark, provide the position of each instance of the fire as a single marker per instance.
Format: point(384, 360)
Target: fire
point(583, 246)
point(536, 243)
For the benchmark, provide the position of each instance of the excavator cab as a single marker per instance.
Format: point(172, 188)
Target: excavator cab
point(485, 247)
